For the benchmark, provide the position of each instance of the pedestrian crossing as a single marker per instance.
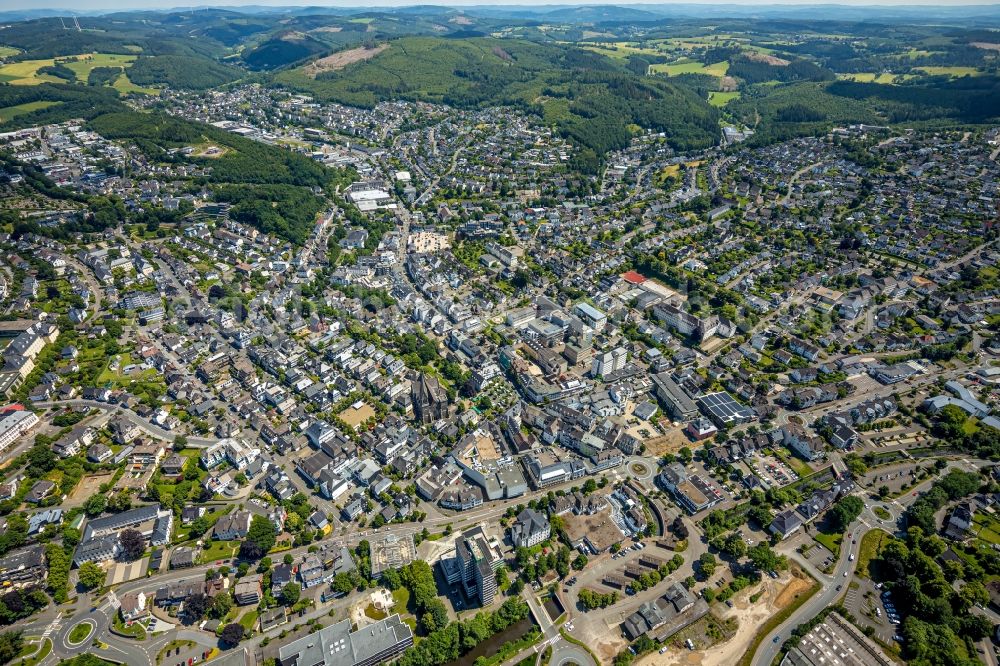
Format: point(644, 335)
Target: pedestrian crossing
point(52, 628)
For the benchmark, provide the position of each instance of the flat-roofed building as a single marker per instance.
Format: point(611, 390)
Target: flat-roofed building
point(677, 403)
point(337, 645)
point(836, 641)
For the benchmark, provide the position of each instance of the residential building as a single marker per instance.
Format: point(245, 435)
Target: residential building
point(530, 528)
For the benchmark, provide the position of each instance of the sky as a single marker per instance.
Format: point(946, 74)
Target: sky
point(101, 5)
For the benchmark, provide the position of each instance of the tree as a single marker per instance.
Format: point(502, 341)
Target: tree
point(761, 515)
point(199, 526)
point(95, 505)
point(290, 594)
point(707, 564)
point(845, 512)
point(180, 442)
point(232, 634)
point(11, 644)
point(133, 545)
point(973, 594)
point(765, 559)
point(342, 583)
point(435, 616)
point(679, 528)
point(589, 486)
point(734, 546)
point(70, 537)
point(221, 605)
point(120, 501)
point(91, 575)
point(580, 562)
point(196, 606)
point(260, 539)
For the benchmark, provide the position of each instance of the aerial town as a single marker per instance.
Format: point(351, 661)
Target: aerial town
point(468, 406)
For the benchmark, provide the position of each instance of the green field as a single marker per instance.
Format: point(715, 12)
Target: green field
point(988, 528)
point(8, 51)
point(9, 112)
point(125, 86)
point(621, 50)
point(871, 77)
point(217, 550)
point(871, 545)
point(25, 73)
point(950, 71)
point(86, 63)
point(716, 98)
point(691, 67)
point(249, 620)
point(832, 541)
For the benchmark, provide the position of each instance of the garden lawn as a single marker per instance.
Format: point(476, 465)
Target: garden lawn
point(249, 620)
point(989, 528)
point(218, 550)
point(871, 545)
point(38, 656)
point(831, 541)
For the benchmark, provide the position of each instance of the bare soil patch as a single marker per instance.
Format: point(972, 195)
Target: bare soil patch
point(671, 442)
point(989, 46)
point(774, 595)
point(89, 485)
point(795, 587)
point(342, 59)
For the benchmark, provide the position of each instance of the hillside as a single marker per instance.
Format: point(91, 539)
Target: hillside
point(586, 96)
point(270, 188)
point(179, 71)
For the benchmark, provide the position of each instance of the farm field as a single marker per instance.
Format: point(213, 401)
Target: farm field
point(871, 77)
point(950, 71)
point(691, 67)
point(125, 86)
point(622, 50)
point(25, 73)
point(87, 62)
point(8, 51)
point(717, 98)
point(6, 113)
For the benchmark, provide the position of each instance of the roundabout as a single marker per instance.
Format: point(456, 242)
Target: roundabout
point(80, 633)
point(641, 469)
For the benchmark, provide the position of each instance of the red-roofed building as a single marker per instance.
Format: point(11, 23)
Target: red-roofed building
point(633, 278)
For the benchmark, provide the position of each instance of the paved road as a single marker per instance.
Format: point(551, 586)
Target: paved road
point(150, 428)
point(833, 586)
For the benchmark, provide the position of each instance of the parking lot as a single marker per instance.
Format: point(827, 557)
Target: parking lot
point(816, 553)
point(893, 476)
point(771, 471)
point(865, 602)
